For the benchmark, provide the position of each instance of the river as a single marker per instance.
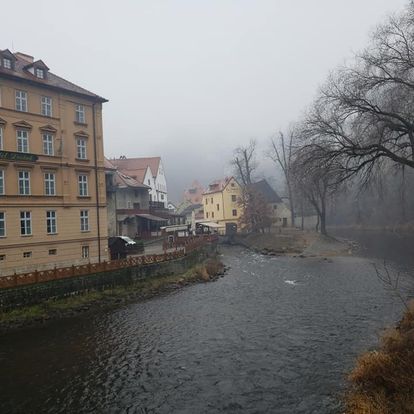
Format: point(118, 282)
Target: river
point(275, 335)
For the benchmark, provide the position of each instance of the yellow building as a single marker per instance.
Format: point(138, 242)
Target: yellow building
point(221, 202)
point(52, 179)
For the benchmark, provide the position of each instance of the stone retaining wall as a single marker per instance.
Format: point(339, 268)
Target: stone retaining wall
point(36, 293)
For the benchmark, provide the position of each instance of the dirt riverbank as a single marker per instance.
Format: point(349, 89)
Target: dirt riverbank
point(295, 242)
point(95, 300)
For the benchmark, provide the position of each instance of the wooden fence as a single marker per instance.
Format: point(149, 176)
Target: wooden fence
point(39, 276)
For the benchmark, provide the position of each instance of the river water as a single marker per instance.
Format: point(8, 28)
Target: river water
point(275, 335)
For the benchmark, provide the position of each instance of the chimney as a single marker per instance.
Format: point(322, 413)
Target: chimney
point(27, 58)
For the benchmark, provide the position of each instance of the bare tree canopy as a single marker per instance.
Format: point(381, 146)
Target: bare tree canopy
point(244, 162)
point(365, 111)
point(281, 153)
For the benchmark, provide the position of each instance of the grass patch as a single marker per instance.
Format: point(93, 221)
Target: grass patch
point(382, 381)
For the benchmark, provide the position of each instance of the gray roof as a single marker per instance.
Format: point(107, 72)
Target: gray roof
point(269, 194)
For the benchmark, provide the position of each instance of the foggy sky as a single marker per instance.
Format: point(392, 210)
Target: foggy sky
point(191, 79)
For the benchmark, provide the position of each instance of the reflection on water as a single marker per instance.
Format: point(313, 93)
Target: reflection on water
point(275, 335)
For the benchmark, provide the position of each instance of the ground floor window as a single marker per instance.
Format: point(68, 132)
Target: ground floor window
point(85, 252)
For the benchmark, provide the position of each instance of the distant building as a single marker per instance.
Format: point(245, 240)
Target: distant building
point(52, 180)
point(148, 171)
point(280, 212)
point(221, 202)
point(194, 194)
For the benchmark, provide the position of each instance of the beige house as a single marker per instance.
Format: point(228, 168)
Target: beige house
point(221, 202)
point(52, 180)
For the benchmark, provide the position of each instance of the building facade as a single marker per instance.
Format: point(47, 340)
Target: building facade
point(148, 171)
point(221, 202)
point(52, 180)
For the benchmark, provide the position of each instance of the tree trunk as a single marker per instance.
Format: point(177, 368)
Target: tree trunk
point(302, 224)
point(292, 207)
point(323, 219)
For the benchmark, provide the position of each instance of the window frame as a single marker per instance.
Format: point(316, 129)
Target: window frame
point(1, 137)
point(234, 212)
point(47, 145)
point(3, 182)
point(3, 221)
point(83, 185)
point(80, 114)
point(81, 148)
point(39, 71)
point(51, 222)
point(48, 179)
point(23, 141)
point(84, 220)
point(9, 63)
point(85, 252)
point(21, 101)
point(46, 106)
point(26, 218)
point(25, 180)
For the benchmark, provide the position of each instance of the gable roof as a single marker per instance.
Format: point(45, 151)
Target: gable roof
point(219, 185)
point(268, 193)
point(135, 164)
point(123, 180)
point(52, 81)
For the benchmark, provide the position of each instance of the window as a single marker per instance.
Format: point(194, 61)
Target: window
point(162, 196)
point(207, 214)
point(52, 252)
point(80, 114)
point(22, 140)
point(81, 148)
point(50, 184)
point(83, 185)
point(2, 224)
point(1, 182)
point(85, 252)
point(46, 106)
point(1, 138)
point(232, 185)
point(2, 257)
point(212, 214)
point(233, 198)
point(21, 101)
point(51, 227)
point(218, 207)
point(234, 213)
point(24, 182)
point(206, 200)
point(25, 223)
point(84, 220)
point(48, 144)
point(40, 73)
point(27, 254)
point(211, 200)
point(274, 206)
point(149, 182)
point(7, 63)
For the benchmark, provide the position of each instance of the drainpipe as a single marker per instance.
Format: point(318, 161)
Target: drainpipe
point(96, 182)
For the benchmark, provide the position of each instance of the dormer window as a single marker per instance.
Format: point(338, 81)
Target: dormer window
point(40, 73)
point(7, 64)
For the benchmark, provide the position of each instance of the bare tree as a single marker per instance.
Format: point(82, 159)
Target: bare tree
point(244, 162)
point(256, 214)
point(281, 152)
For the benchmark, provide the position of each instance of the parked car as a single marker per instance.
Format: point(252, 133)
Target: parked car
point(121, 246)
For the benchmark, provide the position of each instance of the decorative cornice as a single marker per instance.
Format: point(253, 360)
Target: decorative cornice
point(48, 128)
point(22, 124)
point(81, 134)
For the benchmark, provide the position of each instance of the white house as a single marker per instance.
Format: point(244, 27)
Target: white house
point(148, 171)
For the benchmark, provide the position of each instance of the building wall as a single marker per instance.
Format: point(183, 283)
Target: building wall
point(219, 206)
point(64, 164)
point(161, 186)
point(279, 212)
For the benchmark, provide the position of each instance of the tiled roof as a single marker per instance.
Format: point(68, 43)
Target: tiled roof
point(264, 188)
point(125, 180)
point(217, 185)
point(108, 165)
point(53, 81)
point(135, 164)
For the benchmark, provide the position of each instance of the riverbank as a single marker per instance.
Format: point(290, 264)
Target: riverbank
point(382, 381)
point(295, 242)
point(94, 300)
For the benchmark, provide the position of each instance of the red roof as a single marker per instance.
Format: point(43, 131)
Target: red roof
point(135, 164)
point(218, 185)
point(125, 180)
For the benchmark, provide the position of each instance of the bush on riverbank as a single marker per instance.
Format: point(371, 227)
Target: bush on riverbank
point(383, 381)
